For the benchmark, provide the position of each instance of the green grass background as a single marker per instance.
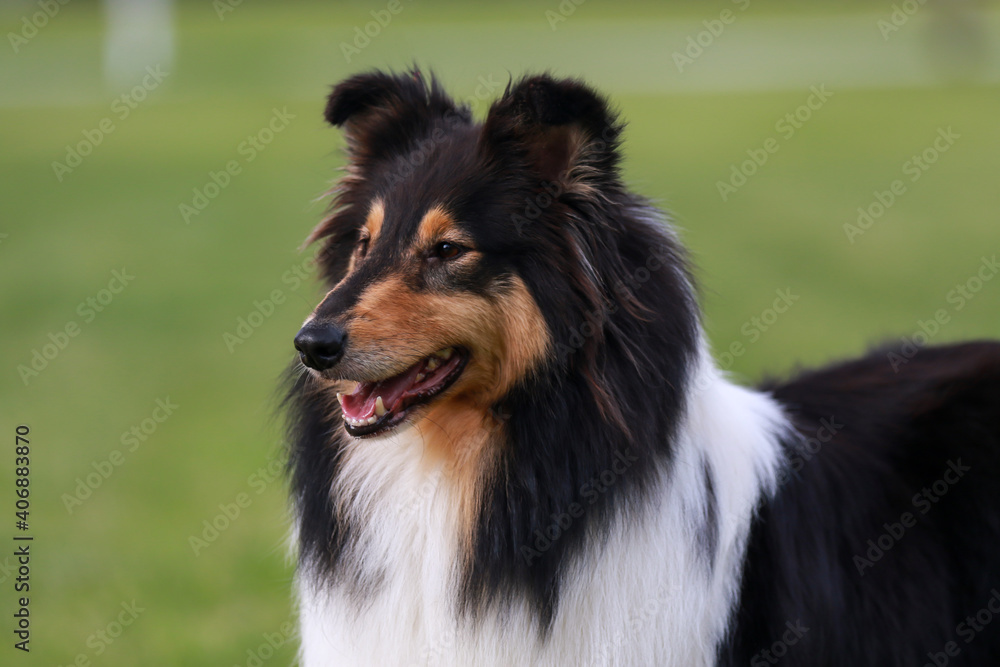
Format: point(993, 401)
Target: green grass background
point(163, 335)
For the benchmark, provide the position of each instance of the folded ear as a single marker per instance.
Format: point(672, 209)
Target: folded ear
point(384, 114)
point(561, 127)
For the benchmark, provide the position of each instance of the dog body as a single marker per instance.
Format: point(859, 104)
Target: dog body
point(511, 445)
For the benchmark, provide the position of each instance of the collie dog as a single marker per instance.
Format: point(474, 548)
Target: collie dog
point(510, 444)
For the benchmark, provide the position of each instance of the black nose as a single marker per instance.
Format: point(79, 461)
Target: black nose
point(320, 345)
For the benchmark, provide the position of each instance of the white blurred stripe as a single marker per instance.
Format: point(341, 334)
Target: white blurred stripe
point(140, 33)
point(628, 56)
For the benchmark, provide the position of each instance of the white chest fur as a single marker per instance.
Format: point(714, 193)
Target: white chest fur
point(645, 596)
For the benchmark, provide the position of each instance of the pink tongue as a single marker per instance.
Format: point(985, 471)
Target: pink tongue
point(361, 404)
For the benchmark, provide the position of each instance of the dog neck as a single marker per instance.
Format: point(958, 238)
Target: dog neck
point(399, 575)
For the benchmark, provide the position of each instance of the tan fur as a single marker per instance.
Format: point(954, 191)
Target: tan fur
point(373, 223)
point(506, 334)
point(460, 433)
point(559, 152)
point(506, 337)
point(437, 224)
point(370, 231)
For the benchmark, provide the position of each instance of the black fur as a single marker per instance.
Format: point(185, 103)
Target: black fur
point(708, 534)
point(896, 433)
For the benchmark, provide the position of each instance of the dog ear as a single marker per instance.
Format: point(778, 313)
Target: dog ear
point(384, 114)
point(561, 127)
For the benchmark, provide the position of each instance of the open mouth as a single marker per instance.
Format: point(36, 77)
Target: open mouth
point(376, 407)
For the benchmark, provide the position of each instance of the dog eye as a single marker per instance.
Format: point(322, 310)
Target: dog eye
point(446, 250)
point(362, 247)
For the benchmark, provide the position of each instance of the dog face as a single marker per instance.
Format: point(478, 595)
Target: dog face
point(454, 264)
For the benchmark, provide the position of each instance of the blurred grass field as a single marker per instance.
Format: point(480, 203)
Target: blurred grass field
point(162, 336)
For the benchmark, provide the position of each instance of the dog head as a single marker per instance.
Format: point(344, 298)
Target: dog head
point(462, 257)
point(496, 286)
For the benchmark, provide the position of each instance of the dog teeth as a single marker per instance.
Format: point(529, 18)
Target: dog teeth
point(434, 361)
point(356, 423)
point(421, 376)
point(379, 407)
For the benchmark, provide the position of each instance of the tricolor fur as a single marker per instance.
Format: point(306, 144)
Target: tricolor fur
point(511, 445)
